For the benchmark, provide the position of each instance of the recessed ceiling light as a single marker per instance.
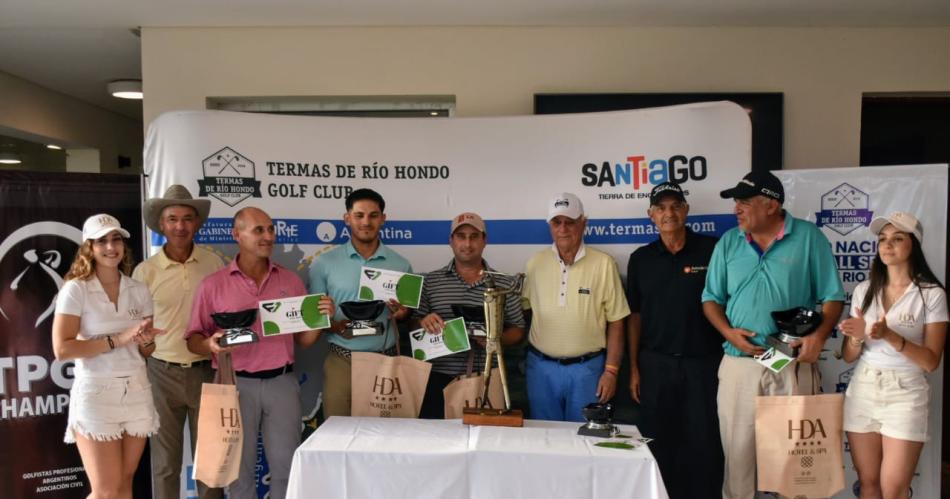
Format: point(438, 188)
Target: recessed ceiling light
point(54, 147)
point(433, 113)
point(125, 89)
point(9, 158)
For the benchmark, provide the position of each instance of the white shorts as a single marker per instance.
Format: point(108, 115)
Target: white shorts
point(894, 403)
point(106, 408)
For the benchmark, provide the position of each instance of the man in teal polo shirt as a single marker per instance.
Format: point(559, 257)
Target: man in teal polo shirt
point(772, 261)
point(337, 273)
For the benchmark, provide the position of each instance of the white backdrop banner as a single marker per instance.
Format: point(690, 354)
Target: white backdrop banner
point(300, 169)
point(842, 201)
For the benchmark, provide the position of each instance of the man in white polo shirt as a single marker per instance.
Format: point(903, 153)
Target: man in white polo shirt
point(578, 309)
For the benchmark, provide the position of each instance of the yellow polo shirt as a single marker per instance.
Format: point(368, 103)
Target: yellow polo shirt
point(173, 285)
point(572, 304)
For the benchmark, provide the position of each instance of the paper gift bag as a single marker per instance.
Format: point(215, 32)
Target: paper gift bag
point(798, 444)
point(387, 387)
point(466, 391)
point(220, 433)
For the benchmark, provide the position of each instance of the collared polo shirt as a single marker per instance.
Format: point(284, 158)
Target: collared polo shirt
point(173, 286)
point(230, 290)
point(664, 288)
point(98, 317)
point(443, 288)
point(797, 270)
point(572, 304)
point(917, 307)
point(337, 273)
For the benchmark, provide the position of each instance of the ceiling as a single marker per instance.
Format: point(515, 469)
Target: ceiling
point(77, 46)
point(34, 156)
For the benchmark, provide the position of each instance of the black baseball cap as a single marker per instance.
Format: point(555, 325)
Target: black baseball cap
point(756, 183)
point(666, 189)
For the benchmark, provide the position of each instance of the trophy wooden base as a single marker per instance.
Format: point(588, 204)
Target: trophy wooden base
point(493, 417)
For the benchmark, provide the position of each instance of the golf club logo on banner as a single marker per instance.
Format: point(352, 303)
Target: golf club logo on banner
point(229, 177)
point(844, 209)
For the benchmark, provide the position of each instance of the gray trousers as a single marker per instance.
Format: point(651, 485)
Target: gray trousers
point(177, 393)
point(271, 406)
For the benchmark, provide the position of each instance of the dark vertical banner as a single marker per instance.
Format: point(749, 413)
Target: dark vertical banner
point(41, 216)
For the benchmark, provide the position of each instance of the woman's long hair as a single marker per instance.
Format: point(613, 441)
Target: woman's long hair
point(84, 265)
point(920, 273)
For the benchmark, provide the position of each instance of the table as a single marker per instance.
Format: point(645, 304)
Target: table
point(413, 458)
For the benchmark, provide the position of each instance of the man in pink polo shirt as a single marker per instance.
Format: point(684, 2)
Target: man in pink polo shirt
point(269, 392)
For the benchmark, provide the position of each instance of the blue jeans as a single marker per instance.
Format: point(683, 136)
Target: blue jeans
point(558, 392)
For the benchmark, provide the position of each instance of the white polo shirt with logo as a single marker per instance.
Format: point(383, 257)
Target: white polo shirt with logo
point(98, 317)
point(907, 317)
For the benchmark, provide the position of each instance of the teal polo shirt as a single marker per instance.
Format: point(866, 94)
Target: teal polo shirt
point(797, 270)
point(337, 273)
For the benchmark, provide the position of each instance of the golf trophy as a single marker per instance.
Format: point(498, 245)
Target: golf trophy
point(793, 325)
point(238, 327)
point(599, 421)
point(494, 312)
point(362, 316)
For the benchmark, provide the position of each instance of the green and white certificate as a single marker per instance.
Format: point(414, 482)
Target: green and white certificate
point(428, 346)
point(382, 284)
point(292, 315)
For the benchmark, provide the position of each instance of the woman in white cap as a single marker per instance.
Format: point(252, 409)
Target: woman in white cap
point(897, 331)
point(103, 321)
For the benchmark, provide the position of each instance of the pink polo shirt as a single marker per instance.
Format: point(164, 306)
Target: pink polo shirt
point(230, 290)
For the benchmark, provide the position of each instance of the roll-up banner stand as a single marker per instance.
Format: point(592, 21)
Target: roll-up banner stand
point(843, 201)
point(40, 231)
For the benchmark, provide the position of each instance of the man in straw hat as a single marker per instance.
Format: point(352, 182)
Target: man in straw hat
point(176, 374)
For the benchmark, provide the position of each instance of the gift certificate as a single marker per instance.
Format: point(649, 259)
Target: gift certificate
point(292, 315)
point(382, 284)
point(428, 346)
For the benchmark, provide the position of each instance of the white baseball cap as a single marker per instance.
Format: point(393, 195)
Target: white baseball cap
point(905, 222)
point(99, 225)
point(566, 204)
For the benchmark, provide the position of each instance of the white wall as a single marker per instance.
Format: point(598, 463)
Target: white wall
point(496, 71)
point(36, 113)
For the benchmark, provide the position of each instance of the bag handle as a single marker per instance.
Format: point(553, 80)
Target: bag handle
point(470, 362)
point(811, 386)
point(394, 327)
point(225, 373)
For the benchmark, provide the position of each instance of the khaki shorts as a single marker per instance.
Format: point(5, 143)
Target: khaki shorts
point(106, 408)
point(894, 403)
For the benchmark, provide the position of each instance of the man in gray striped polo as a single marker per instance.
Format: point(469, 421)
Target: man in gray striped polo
point(461, 282)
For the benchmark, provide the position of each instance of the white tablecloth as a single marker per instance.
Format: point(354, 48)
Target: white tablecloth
point(391, 458)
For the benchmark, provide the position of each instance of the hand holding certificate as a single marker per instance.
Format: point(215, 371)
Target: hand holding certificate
point(295, 314)
point(452, 339)
point(382, 284)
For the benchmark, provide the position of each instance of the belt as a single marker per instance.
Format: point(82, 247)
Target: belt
point(565, 361)
point(186, 365)
point(347, 353)
point(267, 374)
